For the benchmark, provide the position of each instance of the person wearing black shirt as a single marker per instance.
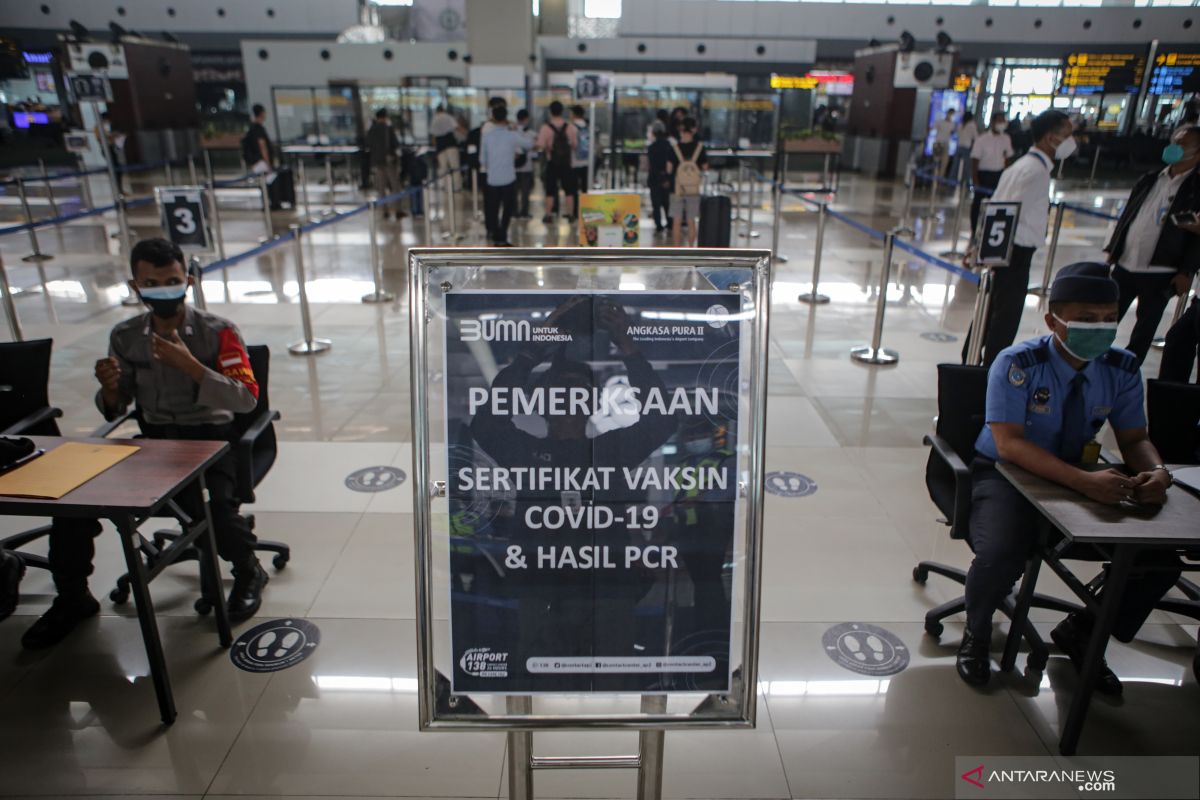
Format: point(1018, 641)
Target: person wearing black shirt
point(256, 144)
point(659, 154)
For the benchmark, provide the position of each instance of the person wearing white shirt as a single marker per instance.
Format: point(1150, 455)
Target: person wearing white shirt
point(499, 148)
point(968, 132)
point(990, 156)
point(1026, 182)
point(943, 130)
point(1155, 257)
point(525, 168)
point(445, 143)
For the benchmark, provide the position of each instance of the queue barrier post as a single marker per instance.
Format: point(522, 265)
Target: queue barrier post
point(750, 233)
point(813, 297)
point(10, 307)
point(910, 181)
point(332, 188)
point(956, 229)
point(448, 196)
point(1095, 162)
point(124, 239)
point(1044, 289)
point(309, 345)
point(170, 170)
point(475, 195)
point(777, 222)
point(875, 353)
point(191, 162)
point(303, 185)
point(218, 231)
point(37, 254)
point(379, 295)
point(49, 187)
point(983, 301)
point(208, 170)
point(85, 185)
point(266, 204)
point(197, 274)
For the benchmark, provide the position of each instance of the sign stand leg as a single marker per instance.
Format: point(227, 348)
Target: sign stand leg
point(520, 753)
point(650, 751)
point(10, 308)
point(979, 321)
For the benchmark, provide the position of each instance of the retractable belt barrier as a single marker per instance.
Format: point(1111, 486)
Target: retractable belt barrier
point(985, 191)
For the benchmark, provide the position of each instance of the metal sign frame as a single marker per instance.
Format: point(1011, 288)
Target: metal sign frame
point(97, 82)
point(987, 212)
point(439, 709)
point(161, 193)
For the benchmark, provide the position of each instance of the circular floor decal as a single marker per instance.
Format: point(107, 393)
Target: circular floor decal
point(790, 484)
point(939, 336)
point(374, 479)
point(865, 649)
point(275, 645)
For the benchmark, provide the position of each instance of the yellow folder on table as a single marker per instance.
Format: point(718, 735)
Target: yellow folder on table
point(54, 474)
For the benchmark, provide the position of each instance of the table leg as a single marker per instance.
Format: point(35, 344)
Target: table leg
point(1020, 617)
point(211, 565)
point(145, 609)
point(1114, 589)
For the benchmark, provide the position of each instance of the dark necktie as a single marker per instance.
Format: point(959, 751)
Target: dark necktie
point(1074, 423)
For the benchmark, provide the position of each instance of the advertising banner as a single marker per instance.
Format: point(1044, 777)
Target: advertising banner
point(609, 219)
point(591, 475)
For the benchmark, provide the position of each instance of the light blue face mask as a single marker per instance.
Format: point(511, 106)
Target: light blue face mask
point(1088, 340)
point(163, 292)
point(1172, 153)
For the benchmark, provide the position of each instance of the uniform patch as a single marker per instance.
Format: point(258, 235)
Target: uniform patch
point(1016, 375)
point(1102, 411)
point(1041, 395)
point(234, 362)
point(1039, 409)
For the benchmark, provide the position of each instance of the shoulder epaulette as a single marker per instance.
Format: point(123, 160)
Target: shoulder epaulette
point(1121, 359)
point(1028, 358)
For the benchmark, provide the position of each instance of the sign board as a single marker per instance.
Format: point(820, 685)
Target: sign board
point(77, 141)
point(1175, 73)
point(609, 219)
point(89, 88)
point(592, 85)
point(588, 479)
point(184, 217)
point(997, 230)
point(928, 70)
point(1103, 73)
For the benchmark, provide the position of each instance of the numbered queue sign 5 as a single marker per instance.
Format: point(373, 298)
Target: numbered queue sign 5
point(997, 229)
point(185, 218)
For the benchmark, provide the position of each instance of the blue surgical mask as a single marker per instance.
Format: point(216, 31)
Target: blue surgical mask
point(1088, 340)
point(164, 301)
point(1172, 153)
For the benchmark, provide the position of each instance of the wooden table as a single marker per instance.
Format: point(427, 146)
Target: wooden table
point(1122, 531)
point(128, 493)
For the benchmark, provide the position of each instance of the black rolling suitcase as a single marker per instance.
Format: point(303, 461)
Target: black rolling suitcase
point(282, 191)
point(716, 221)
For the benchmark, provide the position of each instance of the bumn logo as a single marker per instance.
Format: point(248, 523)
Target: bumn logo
point(496, 330)
point(484, 662)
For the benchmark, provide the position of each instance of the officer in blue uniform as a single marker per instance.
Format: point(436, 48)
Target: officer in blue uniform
point(1047, 399)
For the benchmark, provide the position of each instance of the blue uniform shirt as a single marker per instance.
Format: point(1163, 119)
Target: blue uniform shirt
point(1028, 384)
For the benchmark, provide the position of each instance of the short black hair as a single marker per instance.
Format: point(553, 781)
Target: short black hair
point(257, 109)
point(381, 113)
point(497, 100)
point(688, 124)
point(522, 114)
point(1046, 123)
point(556, 109)
point(577, 111)
point(998, 115)
point(158, 252)
point(500, 113)
point(663, 115)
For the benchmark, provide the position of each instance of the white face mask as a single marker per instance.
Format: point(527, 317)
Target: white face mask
point(1066, 148)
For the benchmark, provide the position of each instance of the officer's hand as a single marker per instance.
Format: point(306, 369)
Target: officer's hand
point(171, 351)
point(108, 373)
point(1109, 486)
point(1150, 488)
point(1181, 282)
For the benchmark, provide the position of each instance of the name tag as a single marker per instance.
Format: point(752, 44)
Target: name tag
point(1039, 409)
point(1102, 411)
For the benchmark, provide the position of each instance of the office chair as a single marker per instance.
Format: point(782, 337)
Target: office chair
point(962, 394)
point(25, 410)
point(254, 450)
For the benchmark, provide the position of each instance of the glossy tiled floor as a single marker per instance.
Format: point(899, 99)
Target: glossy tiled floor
point(80, 719)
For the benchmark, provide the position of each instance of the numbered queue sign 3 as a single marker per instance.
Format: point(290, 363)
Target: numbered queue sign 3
point(185, 217)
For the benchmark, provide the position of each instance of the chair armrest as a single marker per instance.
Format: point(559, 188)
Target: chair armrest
point(33, 420)
point(946, 453)
point(256, 429)
point(107, 428)
point(962, 484)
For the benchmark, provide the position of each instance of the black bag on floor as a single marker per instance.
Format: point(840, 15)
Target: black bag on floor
point(282, 190)
point(716, 221)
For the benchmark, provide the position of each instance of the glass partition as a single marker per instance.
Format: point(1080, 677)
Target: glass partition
point(718, 119)
point(337, 115)
point(295, 115)
point(756, 121)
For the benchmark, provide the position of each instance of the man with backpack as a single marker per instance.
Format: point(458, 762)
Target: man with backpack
point(581, 155)
point(558, 140)
point(383, 154)
point(688, 162)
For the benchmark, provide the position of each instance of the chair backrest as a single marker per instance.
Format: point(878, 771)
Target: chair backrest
point(962, 396)
point(253, 466)
point(1173, 410)
point(24, 383)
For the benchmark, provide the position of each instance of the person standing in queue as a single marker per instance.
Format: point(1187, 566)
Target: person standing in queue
point(1047, 399)
point(558, 139)
point(383, 154)
point(524, 165)
point(581, 155)
point(991, 154)
point(1155, 249)
point(188, 373)
point(499, 150)
point(659, 178)
point(688, 163)
point(442, 130)
point(1026, 182)
point(943, 130)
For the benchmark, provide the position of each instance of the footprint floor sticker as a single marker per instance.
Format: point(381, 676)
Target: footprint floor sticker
point(374, 479)
point(865, 649)
point(790, 484)
point(275, 645)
